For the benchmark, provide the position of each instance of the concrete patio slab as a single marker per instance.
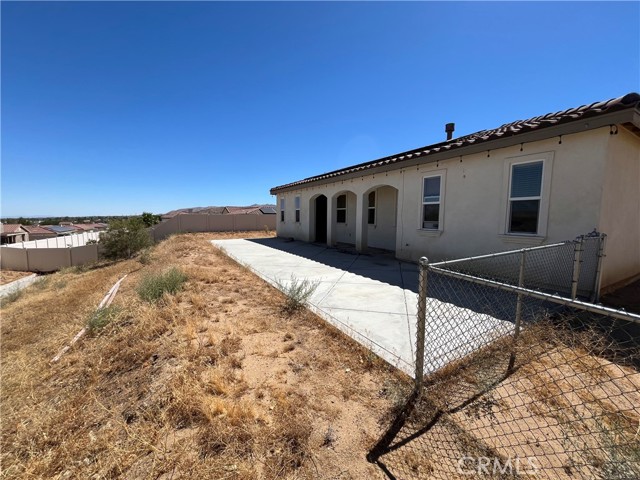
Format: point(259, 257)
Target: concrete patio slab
point(372, 298)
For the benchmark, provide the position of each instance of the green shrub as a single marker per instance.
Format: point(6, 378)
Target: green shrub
point(153, 286)
point(101, 317)
point(125, 238)
point(297, 293)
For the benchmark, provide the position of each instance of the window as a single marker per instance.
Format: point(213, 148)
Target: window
point(524, 197)
point(297, 205)
point(371, 211)
point(282, 209)
point(431, 203)
point(341, 209)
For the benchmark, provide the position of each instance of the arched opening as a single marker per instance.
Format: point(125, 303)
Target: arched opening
point(318, 219)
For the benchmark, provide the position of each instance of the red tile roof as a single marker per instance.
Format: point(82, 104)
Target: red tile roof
point(11, 228)
point(243, 210)
point(37, 230)
point(629, 101)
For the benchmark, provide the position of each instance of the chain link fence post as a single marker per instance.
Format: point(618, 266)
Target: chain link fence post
point(420, 334)
point(577, 260)
point(518, 319)
point(595, 296)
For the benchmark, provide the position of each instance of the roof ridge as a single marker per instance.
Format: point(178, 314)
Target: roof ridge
point(516, 127)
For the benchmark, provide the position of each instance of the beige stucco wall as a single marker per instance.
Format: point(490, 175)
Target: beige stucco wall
point(383, 233)
point(475, 201)
point(212, 223)
point(13, 259)
point(620, 209)
point(46, 259)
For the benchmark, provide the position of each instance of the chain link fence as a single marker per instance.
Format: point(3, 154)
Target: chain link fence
point(517, 376)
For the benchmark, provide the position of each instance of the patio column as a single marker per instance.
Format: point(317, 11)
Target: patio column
point(361, 223)
point(331, 220)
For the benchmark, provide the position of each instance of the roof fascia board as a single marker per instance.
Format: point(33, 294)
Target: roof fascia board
point(578, 126)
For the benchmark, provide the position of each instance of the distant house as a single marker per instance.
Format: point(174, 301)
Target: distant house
point(12, 233)
point(251, 210)
point(36, 232)
point(228, 210)
point(89, 227)
point(526, 183)
point(61, 230)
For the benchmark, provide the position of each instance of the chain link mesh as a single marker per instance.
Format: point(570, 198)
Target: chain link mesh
point(517, 385)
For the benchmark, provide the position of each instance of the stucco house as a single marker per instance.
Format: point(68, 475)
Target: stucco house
point(36, 232)
point(531, 182)
point(12, 233)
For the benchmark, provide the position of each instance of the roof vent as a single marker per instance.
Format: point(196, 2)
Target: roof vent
point(449, 128)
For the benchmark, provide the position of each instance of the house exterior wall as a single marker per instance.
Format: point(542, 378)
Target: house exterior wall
point(346, 232)
point(620, 209)
point(475, 199)
point(383, 233)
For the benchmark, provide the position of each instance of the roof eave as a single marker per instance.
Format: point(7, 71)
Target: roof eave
point(578, 126)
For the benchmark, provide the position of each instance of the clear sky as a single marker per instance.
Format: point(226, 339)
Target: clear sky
point(123, 107)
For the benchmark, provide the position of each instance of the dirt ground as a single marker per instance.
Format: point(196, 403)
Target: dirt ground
point(8, 276)
point(219, 381)
point(216, 381)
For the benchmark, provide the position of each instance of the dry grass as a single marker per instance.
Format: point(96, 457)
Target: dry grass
point(8, 276)
point(215, 381)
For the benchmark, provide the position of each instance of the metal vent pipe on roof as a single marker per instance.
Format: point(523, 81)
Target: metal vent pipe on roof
point(450, 128)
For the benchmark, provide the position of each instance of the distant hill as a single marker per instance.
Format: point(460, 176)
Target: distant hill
point(257, 209)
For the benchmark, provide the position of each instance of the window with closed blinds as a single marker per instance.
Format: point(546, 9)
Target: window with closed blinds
point(297, 206)
point(524, 197)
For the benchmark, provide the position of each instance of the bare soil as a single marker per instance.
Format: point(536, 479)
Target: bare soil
point(215, 381)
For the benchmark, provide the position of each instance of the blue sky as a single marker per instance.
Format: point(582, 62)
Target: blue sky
point(124, 107)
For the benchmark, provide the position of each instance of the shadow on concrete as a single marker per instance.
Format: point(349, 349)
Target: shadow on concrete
point(376, 265)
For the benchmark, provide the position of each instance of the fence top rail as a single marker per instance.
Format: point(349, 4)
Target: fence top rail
point(499, 254)
point(590, 307)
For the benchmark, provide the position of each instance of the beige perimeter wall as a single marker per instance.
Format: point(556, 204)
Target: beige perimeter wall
point(186, 223)
point(46, 259)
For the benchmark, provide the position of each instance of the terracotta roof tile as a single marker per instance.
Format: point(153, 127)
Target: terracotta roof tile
point(11, 228)
point(631, 100)
point(37, 229)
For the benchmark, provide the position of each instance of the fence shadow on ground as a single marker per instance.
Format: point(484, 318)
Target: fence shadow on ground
point(568, 408)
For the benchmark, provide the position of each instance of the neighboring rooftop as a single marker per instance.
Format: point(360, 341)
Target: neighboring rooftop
point(255, 209)
point(629, 101)
point(36, 230)
point(10, 228)
point(60, 229)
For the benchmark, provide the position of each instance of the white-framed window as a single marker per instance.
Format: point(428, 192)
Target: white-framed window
point(282, 203)
point(371, 208)
point(525, 197)
point(431, 203)
point(341, 209)
point(526, 194)
point(297, 206)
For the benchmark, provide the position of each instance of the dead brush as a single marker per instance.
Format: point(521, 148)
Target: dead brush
point(206, 275)
point(297, 293)
point(288, 443)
